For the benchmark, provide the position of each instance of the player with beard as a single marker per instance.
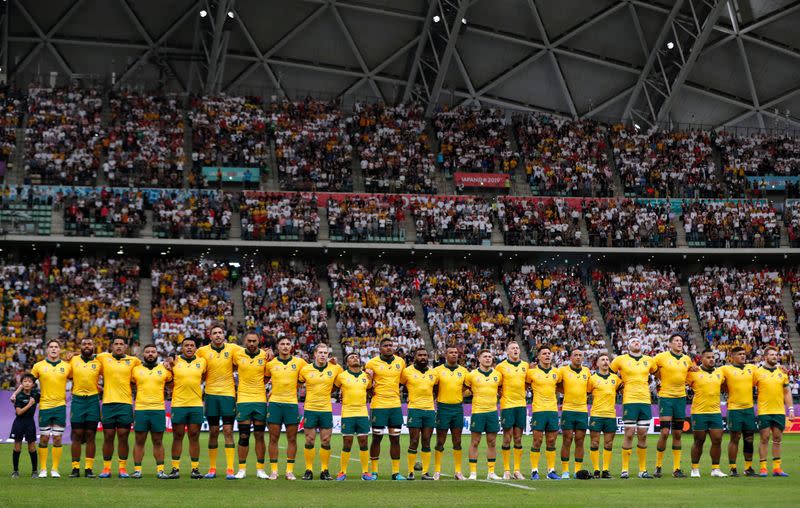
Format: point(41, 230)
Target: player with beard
point(151, 379)
point(85, 407)
point(419, 380)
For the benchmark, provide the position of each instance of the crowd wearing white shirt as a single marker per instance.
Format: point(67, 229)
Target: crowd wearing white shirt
point(193, 214)
point(538, 222)
point(474, 140)
point(629, 223)
point(726, 224)
point(441, 219)
point(278, 216)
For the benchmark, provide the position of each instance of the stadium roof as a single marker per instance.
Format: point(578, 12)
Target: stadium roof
point(604, 58)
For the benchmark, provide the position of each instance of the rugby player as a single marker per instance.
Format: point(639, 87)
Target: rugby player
point(284, 371)
point(251, 402)
point(450, 378)
point(220, 400)
point(117, 415)
point(385, 371)
point(151, 379)
point(52, 373)
point(673, 369)
point(706, 414)
point(188, 373)
point(484, 383)
point(774, 396)
point(543, 379)
point(513, 409)
point(574, 412)
point(739, 379)
point(353, 384)
point(419, 380)
point(85, 406)
point(603, 385)
point(634, 368)
point(24, 425)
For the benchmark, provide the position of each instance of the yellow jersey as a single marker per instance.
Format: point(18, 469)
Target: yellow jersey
point(319, 384)
point(635, 374)
point(85, 375)
point(543, 383)
point(284, 374)
point(707, 388)
point(484, 386)
point(52, 378)
point(354, 388)
point(770, 384)
point(150, 383)
point(386, 381)
point(514, 386)
point(451, 383)
point(739, 381)
point(117, 374)
point(672, 370)
point(187, 376)
point(251, 372)
point(604, 394)
point(575, 385)
point(219, 376)
point(420, 387)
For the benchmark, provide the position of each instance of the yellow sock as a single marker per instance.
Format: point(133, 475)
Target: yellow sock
point(89, 463)
point(123, 464)
point(230, 453)
point(159, 468)
point(212, 458)
point(396, 466)
point(176, 464)
point(363, 457)
point(676, 459)
point(626, 458)
point(490, 465)
point(324, 458)
point(517, 459)
point(43, 452)
point(289, 466)
point(259, 465)
point(565, 465)
point(57, 456)
point(535, 460)
point(273, 466)
point(642, 454)
point(345, 458)
point(762, 463)
point(412, 458)
point(242, 465)
point(607, 459)
point(457, 460)
point(594, 457)
point(697, 466)
point(473, 466)
point(76, 464)
point(659, 458)
point(506, 453)
point(437, 461)
point(374, 465)
point(550, 458)
point(195, 464)
point(137, 468)
point(776, 463)
point(748, 464)
point(309, 454)
point(713, 466)
point(425, 457)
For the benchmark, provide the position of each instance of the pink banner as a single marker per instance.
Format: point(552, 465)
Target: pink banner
point(491, 180)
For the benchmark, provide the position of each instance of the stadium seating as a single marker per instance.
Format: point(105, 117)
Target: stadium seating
point(367, 219)
point(538, 222)
point(104, 213)
point(279, 216)
point(761, 154)
point(791, 219)
point(731, 224)
point(441, 219)
point(144, 144)
point(629, 223)
point(474, 140)
point(12, 102)
point(26, 211)
point(193, 214)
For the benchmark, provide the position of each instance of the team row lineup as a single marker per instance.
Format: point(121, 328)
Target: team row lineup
point(203, 383)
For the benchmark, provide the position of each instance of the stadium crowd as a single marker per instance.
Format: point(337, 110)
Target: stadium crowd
point(277, 216)
point(449, 220)
point(731, 224)
point(474, 140)
point(103, 212)
point(538, 222)
point(193, 214)
point(629, 223)
point(368, 218)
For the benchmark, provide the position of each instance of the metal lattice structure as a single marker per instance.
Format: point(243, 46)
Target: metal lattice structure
point(718, 63)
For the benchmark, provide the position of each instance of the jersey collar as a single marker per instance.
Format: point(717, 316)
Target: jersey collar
point(485, 372)
point(451, 369)
point(390, 361)
point(355, 374)
point(677, 357)
point(122, 357)
point(576, 371)
point(773, 369)
point(707, 371)
point(189, 360)
point(285, 362)
point(89, 360)
point(604, 376)
point(319, 368)
point(515, 364)
point(547, 370)
point(53, 363)
point(254, 354)
point(637, 358)
point(217, 350)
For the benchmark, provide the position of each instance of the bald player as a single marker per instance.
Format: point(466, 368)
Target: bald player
point(151, 378)
point(52, 373)
point(419, 380)
point(513, 408)
point(85, 406)
point(544, 379)
point(450, 378)
point(574, 412)
point(251, 402)
point(673, 370)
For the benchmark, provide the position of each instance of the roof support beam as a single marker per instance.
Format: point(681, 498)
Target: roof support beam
point(354, 48)
point(452, 15)
point(421, 42)
point(386, 62)
point(220, 35)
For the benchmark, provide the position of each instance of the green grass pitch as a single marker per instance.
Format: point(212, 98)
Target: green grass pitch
point(727, 492)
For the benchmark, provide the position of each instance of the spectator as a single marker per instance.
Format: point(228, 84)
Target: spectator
point(731, 224)
point(474, 140)
point(629, 223)
point(104, 212)
point(279, 216)
point(452, 220)
point(539, 222)
point(367, 219)
point(193, 214)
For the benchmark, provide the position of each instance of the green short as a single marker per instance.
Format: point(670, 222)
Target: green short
point(192, 415)
point(251, 411)
point(355, 425)
point(84, 409)
point(218, 406)
point(53, 417)
point(485, 422)
point(319, 420)
point(777, 421)
point(741, 420)
point(117, 415)
point(449, 416)
point(672, 407)
point(544, 421)
point(574, 420)
point(391, 417)
point(514, 417)
point(421, 418)
point(150, 420)
point(283, 413)
point(636, 412)
point(707, 421)
point(604, 424)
